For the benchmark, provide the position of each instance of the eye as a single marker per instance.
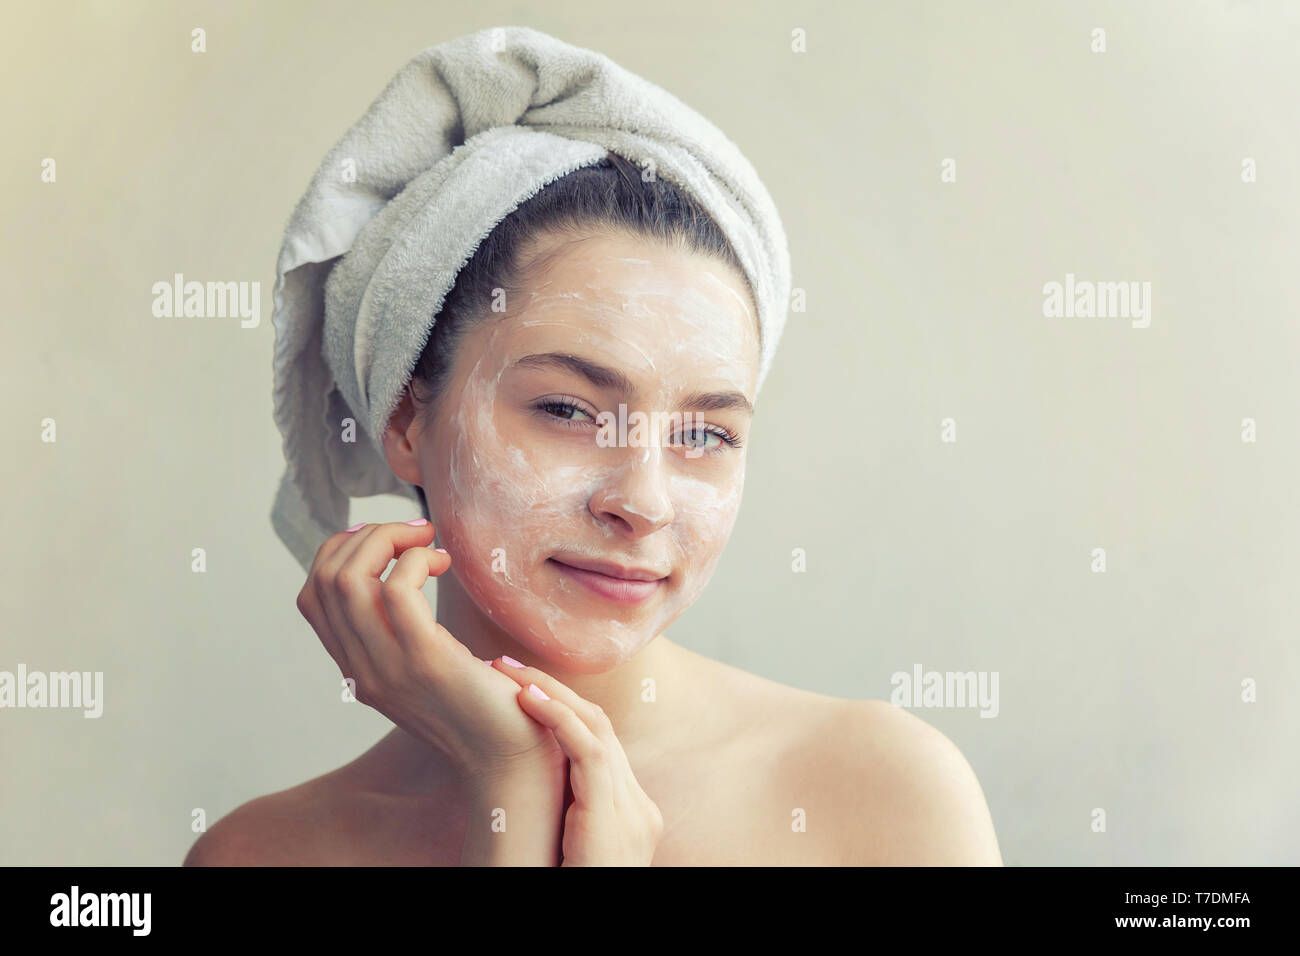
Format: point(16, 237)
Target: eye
point(698, 436)
point(565, 410)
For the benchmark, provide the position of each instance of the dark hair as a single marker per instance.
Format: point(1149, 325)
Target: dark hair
point(610, 195)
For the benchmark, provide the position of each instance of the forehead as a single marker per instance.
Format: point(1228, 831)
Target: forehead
point(669, 314)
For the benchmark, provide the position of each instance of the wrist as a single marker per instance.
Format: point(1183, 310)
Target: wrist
point(514, 818)
point(525, 773)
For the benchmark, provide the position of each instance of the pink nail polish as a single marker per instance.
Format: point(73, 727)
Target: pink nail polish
point(441, 550)
point(486, 660)
point(418, 521)
point(355, 527)
point(538, 692)
point(511, 661)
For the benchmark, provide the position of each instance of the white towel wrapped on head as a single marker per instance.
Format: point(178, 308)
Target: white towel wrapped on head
point(459, 138)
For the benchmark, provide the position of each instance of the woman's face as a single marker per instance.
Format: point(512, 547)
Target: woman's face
point(524, 483)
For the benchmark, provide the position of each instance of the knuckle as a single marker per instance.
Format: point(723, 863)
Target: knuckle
point(392, 591)
point(323, 581)
point(350, 583)
point(327, 547)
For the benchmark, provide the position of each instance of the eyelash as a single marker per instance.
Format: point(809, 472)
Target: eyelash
point(729, 438)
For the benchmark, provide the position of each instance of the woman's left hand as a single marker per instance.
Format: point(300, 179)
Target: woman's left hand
point(611, 821)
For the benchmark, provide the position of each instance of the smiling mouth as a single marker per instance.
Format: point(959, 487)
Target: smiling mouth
point(623, 586)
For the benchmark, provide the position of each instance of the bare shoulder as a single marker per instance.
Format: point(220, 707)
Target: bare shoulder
point(909, 795)
point(877, 784)
point(289, 828)
point(355, 815)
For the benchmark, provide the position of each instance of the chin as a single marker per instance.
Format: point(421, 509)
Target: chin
point(583, 644)
point(587, 659)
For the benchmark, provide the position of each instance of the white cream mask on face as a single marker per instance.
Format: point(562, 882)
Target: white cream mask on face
point(514, 486)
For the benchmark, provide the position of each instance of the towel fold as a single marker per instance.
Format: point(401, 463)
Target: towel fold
point(460, 137)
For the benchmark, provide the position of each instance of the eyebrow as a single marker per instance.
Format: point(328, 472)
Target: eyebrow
point(602, 376)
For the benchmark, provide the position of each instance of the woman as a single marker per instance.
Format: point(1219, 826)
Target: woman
point(545, 718)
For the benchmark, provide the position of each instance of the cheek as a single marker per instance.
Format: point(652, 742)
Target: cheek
point(495, 508)
point(705, 515)
point(501, 513)
point(518, 510)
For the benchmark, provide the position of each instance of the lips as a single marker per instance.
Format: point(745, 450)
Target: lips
point(611, 570)
point(613, 582)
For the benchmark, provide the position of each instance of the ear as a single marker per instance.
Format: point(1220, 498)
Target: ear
point(402, 441)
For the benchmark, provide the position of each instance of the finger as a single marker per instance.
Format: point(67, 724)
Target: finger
point(589, 770)
point(357, 587)
point(313, 608)
point(331, 546)
point(312, 604)
point(591, 714)
point(353, 539)
point(309, 607)
point(377, 545)
point(326, 586)
point(407, 610)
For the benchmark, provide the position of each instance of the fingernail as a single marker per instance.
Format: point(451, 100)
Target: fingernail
point(355, 527)
point(511, 661)
point(537, 692)
point(486, 660)
point(418, 521)
point(441, 550)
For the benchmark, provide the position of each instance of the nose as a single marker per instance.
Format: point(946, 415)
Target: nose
point(634, 497)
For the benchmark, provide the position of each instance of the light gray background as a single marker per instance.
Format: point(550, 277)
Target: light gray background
point(1118, 690)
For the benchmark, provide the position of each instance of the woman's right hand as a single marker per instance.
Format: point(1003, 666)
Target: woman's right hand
point(382, 634)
